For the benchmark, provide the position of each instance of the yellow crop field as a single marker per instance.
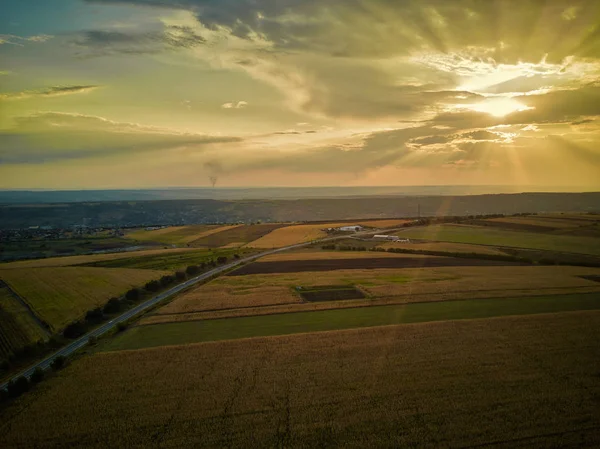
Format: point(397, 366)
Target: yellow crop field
point(247, 295)
point(291, 235)
point(178, 235)
point(524, 381)
point(91, 258)
point(62, 294)
point(216, 296)
point(445, 247)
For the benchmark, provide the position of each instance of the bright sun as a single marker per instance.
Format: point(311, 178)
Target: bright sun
point(499, 107)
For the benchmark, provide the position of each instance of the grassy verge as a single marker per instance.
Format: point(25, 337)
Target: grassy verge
point(327, 320)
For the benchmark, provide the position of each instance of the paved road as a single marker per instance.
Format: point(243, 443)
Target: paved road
point(99, 331)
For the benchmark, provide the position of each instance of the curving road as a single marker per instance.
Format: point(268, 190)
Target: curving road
point(104, 328)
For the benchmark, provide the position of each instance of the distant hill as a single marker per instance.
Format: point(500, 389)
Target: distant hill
point(141, 213)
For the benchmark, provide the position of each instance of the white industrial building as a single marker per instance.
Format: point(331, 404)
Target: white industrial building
point(353, 228)
point(391, 238)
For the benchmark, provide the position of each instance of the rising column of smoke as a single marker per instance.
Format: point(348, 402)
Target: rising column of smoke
point(215, 169)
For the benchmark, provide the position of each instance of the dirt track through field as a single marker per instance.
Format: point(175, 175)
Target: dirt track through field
point(293, 266)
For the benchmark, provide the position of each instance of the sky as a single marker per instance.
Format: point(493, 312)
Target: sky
point(184, 93)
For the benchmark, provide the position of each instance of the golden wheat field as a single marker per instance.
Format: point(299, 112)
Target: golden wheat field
point(516, 382)
point(291, 235)
point(65, 261)
point(62, 294)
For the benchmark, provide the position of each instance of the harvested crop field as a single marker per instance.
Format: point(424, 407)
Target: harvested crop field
point(66, 261)
point(445, 247)
point(481, 235)
point(216, 296)
point(290, 235)
point(236, 235)
point(184, 332)
point(62, 294)
point(384, 286)
point(177, 235)
point(167, 261)
point(372, 263)
point(519, 382)
point(330, 293)
point(312, 254)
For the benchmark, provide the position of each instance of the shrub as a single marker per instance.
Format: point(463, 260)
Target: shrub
point(133, 295)
point(236, 256)
point(180, 276)
point(37, 376)
point(95, 315)
point(74, 330)
point(192, 270)
point(58, 363)
point(112, 306)
point(152, 286)
point(17, 387)
point(121, 326)
point(221, 259)
point(166, 280)
point(4, 365)
point(92, 340)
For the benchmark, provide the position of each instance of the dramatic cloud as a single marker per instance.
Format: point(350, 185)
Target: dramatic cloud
point(102, 43)
point(52, 136)
point(54, 91)
point(384, 91)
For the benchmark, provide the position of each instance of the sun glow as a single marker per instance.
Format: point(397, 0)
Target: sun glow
point(499, 107)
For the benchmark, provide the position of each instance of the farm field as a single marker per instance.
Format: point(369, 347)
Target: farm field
point(237, 235)
point(317, 254)
point(17, 327)
point(167, 261)
point(66, 261)
point(551, 223)
point(217, 296)
point(445, 247)
point(528, 381)
point(177, 235)
point(496, 237)
point(290, 235)
point(185, 332)
point(263, 294)
point(62, 294)
point(373, 262)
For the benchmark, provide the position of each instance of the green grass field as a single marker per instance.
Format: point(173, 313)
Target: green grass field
point(171, 262)
point(486, 236)
point(328, 320)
